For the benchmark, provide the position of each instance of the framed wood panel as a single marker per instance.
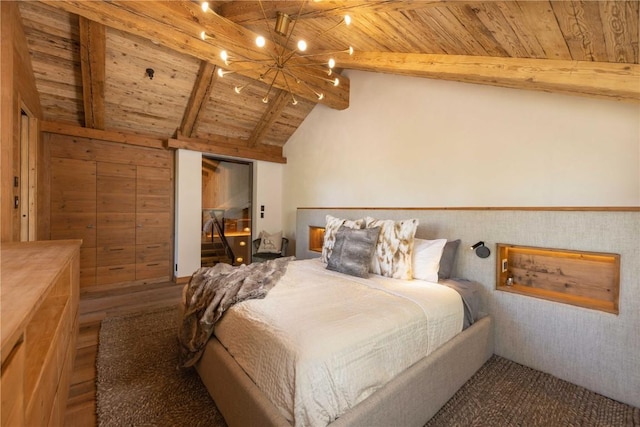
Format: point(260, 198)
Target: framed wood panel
point(585, 279)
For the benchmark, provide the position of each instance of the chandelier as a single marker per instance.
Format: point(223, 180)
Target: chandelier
point(285, 58)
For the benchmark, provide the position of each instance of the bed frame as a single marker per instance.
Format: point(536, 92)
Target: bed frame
point(410, 399)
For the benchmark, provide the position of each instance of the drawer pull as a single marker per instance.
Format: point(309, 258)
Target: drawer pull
point(116, 268)
point(153, 247)
point(90, 226)
point(152, 265)
point(116, 249)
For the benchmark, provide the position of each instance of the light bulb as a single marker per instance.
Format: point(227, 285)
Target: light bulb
point(260, 41)
point(203, 35)
point(336, 82)
point(237, 89)
point(220, 72)
point(302, 45)
point(347, 20)
point(332, 62)
point(350, 50)
point(223, 55)
point(320, 96)
point(205, 6)
point(294, 102)
point(265, 99)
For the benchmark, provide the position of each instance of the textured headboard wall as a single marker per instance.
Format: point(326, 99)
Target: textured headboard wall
point(594, 349)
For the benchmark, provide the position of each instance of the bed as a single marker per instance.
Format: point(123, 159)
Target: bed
point(346, 350)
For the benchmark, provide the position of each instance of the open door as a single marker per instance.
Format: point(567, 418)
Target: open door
point(226, 211)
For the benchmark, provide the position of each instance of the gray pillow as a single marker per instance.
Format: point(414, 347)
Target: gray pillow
point(448, 259)
point(353, 251)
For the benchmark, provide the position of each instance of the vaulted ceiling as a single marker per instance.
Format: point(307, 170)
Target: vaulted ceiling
point(90, 59)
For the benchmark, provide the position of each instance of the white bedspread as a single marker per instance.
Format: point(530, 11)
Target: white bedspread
point(321, 341)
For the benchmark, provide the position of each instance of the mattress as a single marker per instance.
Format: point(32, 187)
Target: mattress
point(321, 341)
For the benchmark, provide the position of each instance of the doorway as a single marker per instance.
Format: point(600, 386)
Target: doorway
point(227, 187)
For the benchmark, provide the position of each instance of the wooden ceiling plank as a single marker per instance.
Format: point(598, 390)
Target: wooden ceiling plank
point(104, 135)
point(594, 79)
point(618, 38)
point(202, 87)
point(92, 64)
point(273, 112)
point(492, 17)
point(177, 25)
point(582, 29)
point(249, 12)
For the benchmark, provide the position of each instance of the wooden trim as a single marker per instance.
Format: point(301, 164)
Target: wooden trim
point(613, 81)
point(221, 146)
point(93, 45)
point(495, 208)
point(104, 135)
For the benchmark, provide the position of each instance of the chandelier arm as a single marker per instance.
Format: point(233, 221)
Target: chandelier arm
point(294, 101)
point(295, 22)
point(312, 75)
point(300, 81)
point(271, 37)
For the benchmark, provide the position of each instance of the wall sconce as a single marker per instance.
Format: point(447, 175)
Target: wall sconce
point(481, 250)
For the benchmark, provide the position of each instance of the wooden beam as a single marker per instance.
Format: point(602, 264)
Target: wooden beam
point(205, 81)
point(93, 45)
point(225, 146)
point(178, 24)
point(613, 81)
point(276, 106)
point(104, 135)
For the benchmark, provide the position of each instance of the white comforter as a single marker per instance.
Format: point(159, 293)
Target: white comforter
point(321, 341)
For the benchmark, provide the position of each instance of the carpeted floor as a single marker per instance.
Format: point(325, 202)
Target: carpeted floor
point(138, 384)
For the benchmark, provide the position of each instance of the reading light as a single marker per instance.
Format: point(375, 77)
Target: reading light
point(481, 250)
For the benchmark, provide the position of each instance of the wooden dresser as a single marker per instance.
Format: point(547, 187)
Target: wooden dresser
point(39, 314)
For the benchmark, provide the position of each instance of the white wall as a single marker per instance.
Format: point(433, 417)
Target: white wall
point(407, 142)
point(267, 187)
point(188, 199)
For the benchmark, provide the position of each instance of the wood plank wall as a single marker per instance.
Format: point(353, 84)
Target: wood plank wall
point(18, 91)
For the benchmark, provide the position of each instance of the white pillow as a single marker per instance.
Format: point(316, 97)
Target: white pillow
point(270, 243)
point(426, 258)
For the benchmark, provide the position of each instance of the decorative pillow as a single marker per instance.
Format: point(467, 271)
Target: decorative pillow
point(392, 257)
point(353, 251)
point(330, 230)
point(270, 243)
point(426, 258)
point(448, 259)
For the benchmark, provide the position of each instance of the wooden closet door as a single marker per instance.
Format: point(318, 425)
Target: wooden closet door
point(116, 215)
point(154, 187)
point(73, 210)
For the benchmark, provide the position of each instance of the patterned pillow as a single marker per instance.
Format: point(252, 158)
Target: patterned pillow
point(331, 228)
point(392, 257)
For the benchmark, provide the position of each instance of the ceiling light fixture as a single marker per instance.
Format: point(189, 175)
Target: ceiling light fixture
point(280, 62)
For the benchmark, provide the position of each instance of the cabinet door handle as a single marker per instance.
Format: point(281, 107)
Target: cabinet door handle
point(116, 268)
point(116, 249)
point(139, 225)
point(152, 265)
point(90, 226)
point(153, 247)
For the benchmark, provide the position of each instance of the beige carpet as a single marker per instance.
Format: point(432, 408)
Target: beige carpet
point(138, 384)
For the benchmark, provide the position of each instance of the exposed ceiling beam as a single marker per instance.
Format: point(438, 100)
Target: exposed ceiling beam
point(205, 81)
point(275, 108)
point(113, 136)
point(251, 12)
point(226, 146)
point(594, 79)
point(177, 25)
point(92, 64)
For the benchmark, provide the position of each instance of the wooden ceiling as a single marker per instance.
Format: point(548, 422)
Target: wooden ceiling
point(90, 59)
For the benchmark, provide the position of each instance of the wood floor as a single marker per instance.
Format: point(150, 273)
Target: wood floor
point(96, 305)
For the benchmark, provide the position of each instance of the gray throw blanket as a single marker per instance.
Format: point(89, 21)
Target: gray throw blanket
point(212, 290)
